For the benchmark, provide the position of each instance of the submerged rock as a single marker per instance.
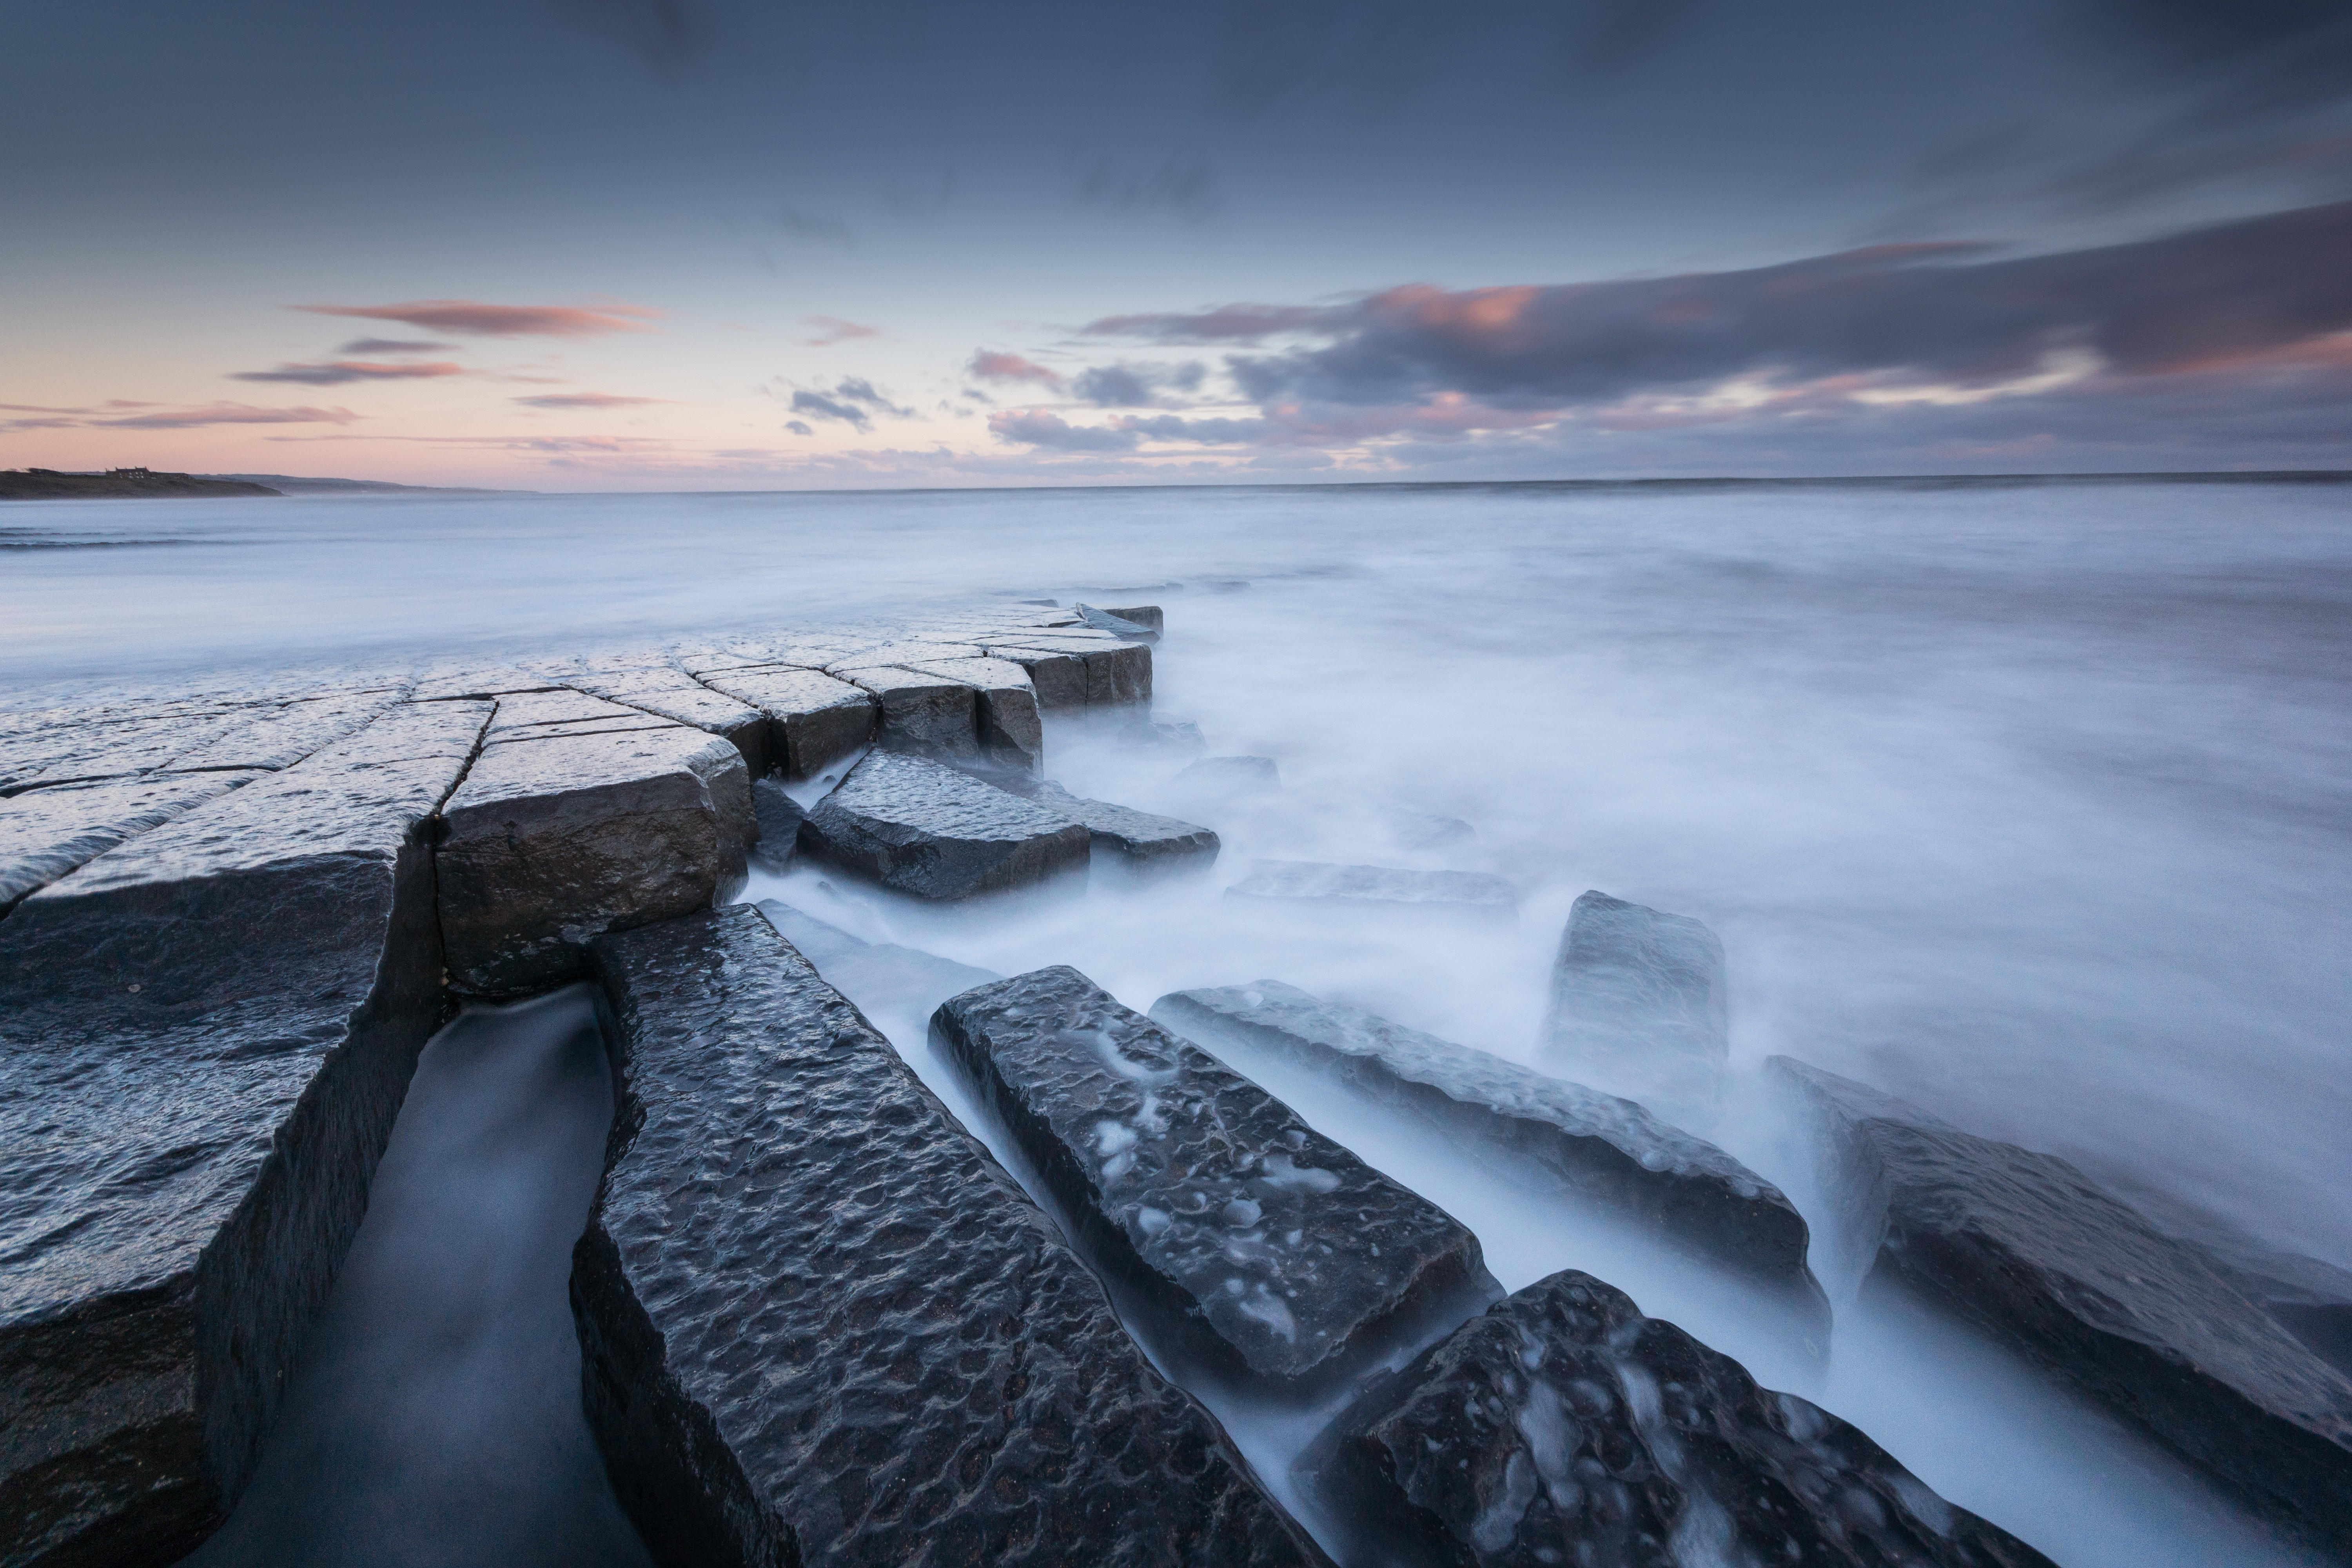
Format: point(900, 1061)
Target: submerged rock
point(582, 828)
point(1423, 831)
point(1638, 1003)
point(1563, 1427)
point(1526, 1123)
point(1378, 887)
point(1178, 738)
point(920, 828)
point(822, 1324)
point(2026, 1247)
point(1148, 616)
point(1141, 841)
point(1267, 1253)
point(817, 721)
point(204, 1037)
point(1231, 775)
point(1120, 626)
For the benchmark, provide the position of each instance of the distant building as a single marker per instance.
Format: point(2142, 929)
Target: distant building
point(127, 474)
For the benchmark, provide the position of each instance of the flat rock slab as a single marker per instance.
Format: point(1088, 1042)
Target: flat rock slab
point(82, 752)
point(1139, 840)
point(1382, 887)
point(919, 828)
point(1563, 1427)
point(1526, 1122)
point(204, 1035)
point(1009, 732)
point(668, 692)
point(280, 736)
point(820, 720)
point(555, 838)
point(46, 834)
point(1267, 1252)
point(822, 1325)
point(1638, 1003)
point(1119, 625)
point(2026, 1247)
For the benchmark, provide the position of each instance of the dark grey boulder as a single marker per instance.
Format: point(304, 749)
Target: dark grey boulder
point(878, 977)
point(1563, 1427)
point(204, 1037)
point(1528, 1125)
point(1265, 1253)
point(920, 828)
point(1116, 674)
point(1231, 775)
point(1137, 840)
point(1148, 616)
point(818, 720)
point(1118, 625)
point(822, 1324)
point(669, 693)
point(45, 834)
point(2026, 1247)
point(922, 715)
point(1638, 1004)
point(579, 829)
point(1009, 733)
point(1378, 887)
point(1058, 677)
point(779, 818)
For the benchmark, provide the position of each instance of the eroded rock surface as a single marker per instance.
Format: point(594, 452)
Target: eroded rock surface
point(819, 720)
point(813, 1308)
point(1008, 734)
point(2026, 1247)
point(922, 715)
point(660, 688)
point(1525, 1124)
point(1563, 1427)
point(204, 1035)
point(1638, 1003)
point(45, 834)
point(573, 822)
point(919, 827)
point(1141, 841)
point(1266, 1251)
point(1378, 887)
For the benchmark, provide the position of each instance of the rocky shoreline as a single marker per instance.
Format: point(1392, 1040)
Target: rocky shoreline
point(817, 1321)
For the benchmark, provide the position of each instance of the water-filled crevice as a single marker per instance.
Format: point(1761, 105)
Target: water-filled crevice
point(435, 1416)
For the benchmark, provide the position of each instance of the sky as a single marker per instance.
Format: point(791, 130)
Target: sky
point(752, 243)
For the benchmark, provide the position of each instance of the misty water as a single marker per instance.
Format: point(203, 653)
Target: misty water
point(2027, 802)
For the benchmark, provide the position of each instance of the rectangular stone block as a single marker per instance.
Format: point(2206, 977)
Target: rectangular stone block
point(554, 839)
point(926, 831)
point(922, 715)
point(1639, 1003)
point(821, 1325)
point(1137, 839)
point(1011, 736)
point(818, 720)
point(669, 693)
point(204, 1035)
point(1268, 1254)
point(280, 735)
point(1059, 678)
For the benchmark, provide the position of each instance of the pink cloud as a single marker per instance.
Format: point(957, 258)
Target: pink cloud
point(833, 330)
point(989, 365)
point(162, 417)
point(473, 318)
point(341, 371)
point(589, 400)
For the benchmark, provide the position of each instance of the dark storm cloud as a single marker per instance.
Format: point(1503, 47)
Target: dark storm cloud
point(472, 318)
point(2230, 291)
point(395, 346)
point(342, 373)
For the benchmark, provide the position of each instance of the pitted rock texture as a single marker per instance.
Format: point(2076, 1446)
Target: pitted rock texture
point(1140, 840)
point(1638, 1007)
point(579, 826)
point(1379, 887)
point(819, 720)
point(1116, 674)
point(204, 1035)
point(1267, 1252)
point(1563, 1427)
point(657, 686)
point(919, 828)
point(922, 715)
point(279, 736)
point(1525, 1124)
point(1121, 627)
point(45, 834)
point(811, 1306)
point(1008, 734)
point(2025, 1246)
point(778, 817)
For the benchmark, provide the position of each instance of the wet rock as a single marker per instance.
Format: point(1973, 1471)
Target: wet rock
point(819, 720)
point(1378, 887)
point(1563, 1427)
point(546, 715)
point(469, 684)
point(1266, 1253)
point(1140, 841)
point(1116, 674)
point(1118, 624)
point(1010, 735)
point(78, 753)
point(1527, 1124)
point(878, 977)
point(922, 715)
point(204, 1035)
point(919, 828)
point(1181, 739)
point(47, 833)
point(819, 1318)
point(280, 735)
point(1424, 831)
point(558, 836)
point(668, 692)
point(2026, 1247)
point(778, 817)
point(1146, 615)
point(1231, 775)
point(1638, 1004)
point(1059, 678)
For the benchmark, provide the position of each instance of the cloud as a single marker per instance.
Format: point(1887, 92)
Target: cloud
point(831, 329)
point(395, 346)
point(1036, 428)
point(342, 373)
point(471, 318)
point(798, 427)
point(588, 400)
point(1224, 324)
point(226, 414)
point(851, 401)
point(1136, 385)
point(989, 365)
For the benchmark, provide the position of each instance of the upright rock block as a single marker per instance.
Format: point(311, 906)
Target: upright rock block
point(1010, 735)
point(922, 715)
point(2024, 1247)
point(920, 828)
point(1563, 1427)
point(821, 1324)
point(577, 829)
point(1059, 678)
point(1638, 1004)
point(1269, 1254)
point(818, 720)
point(1528, 1125)
point(204, 1037)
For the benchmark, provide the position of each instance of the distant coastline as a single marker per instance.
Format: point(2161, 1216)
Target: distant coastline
point(53, 484)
